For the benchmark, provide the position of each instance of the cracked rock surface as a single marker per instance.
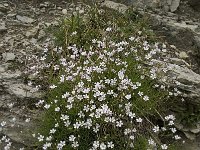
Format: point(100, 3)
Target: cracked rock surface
point(22, 35)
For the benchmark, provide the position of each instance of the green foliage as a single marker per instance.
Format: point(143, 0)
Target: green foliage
point(78, 33)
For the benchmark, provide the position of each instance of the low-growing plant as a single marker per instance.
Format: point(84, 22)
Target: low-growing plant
point(102, 95)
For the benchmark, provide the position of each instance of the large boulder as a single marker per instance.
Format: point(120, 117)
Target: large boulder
point(166, 5)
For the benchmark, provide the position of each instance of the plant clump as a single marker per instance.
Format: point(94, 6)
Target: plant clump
point(101, 93)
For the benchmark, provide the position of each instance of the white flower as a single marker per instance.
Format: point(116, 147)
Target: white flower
point(156, 129)
point(27, 120)
point(62, 78)
point(177, 137)
point(110, 145)
point(171, 122)
point(75, 144)
point(61, 145)
point(145, 98)
point(119, 123)
point(127, 131)
point(132, 137)
point(108, 29)
point(72, 138)
point(139, 120)
point(151, 142)
point(132, 38)
point(40, 138)
point(3, 123)
point(74, 33)
point(47, 106)
point(57, 109)
point(96, 144)
point(76, 125)
point(173, 130)
point(52, 131)
point(128, 96)
point(64, 117)
point(102, 146)
point(52, 86)
point(164, 146)
point(46, 145)
point(140, 93)
point(121, 74)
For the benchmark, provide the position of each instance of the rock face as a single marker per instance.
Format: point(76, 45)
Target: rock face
point(167, 5)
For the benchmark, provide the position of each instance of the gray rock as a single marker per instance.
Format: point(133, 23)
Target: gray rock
point(174, 5)
point(189, 80)
point(22, 91)
point(195, 131)
point(25, 19)
point(10, 75)
point(183, 55)
point(8, 56)
point(11, 16)
point(3, 27)
point(167, 5)
point(64, 11)
point(116, 6)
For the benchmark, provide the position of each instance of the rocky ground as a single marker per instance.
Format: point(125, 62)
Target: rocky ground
point(23, 33)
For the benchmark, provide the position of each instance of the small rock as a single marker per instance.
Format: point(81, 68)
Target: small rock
point(6, 4)
point(183, 55)
point(22, 91)
point(116, 6)
point(25, 19)
point(8, 56)
point(195, 131)
point(3, 27)
point(64, 11)
point(11, 16)
point(174, 5)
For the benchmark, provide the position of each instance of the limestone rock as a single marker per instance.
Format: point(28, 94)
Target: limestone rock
point(183, 55)
point(116, 6)
point(167, 5)
point(3, 27)
point(64, 11)
point(25, 19)
point(174, 5)
point(189, 80)
point(8, 56)
point(22, 91)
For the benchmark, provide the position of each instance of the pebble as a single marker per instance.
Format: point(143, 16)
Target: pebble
point(25, 19)
point(64, 11)
point(8, 56)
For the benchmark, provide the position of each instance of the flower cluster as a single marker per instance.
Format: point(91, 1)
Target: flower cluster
point(101, 96)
